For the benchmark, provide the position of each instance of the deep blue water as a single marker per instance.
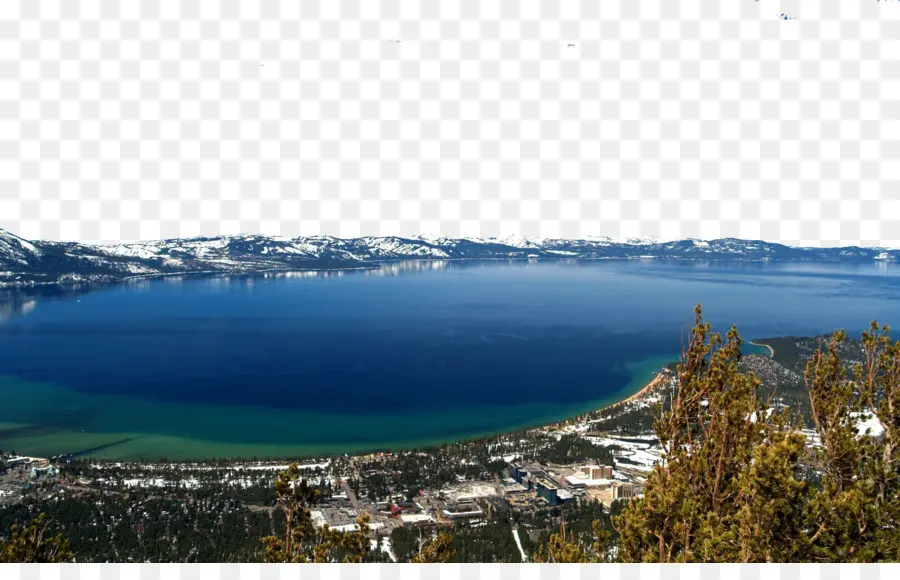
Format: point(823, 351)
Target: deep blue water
point(413, 343)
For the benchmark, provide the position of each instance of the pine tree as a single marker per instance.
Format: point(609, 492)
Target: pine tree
point(31, 545)
point(302, 541)
point(724, 452)
point(436, 550)
point(565, 549)
point(738, 482)
point(856, 514)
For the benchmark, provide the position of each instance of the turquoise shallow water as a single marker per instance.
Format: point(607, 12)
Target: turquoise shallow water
point(294, 366)
point(121, 427)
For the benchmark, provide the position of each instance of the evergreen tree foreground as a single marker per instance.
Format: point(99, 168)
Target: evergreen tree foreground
point(32, 544)
point(738, 481)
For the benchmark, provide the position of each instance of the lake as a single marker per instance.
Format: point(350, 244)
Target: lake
point(411, 354)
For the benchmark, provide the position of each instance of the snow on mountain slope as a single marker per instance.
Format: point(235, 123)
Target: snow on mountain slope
point(430, 239)
point(233, 250)
point(522, 242)
point(392, 247)
point(24, 262)
point(133, 250)
point(14, 249)
point(642, 241)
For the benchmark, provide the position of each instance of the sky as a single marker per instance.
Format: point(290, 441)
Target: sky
point(128, 121)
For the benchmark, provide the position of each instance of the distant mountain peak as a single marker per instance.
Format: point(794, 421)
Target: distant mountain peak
point(26, 262)
point(14, 247)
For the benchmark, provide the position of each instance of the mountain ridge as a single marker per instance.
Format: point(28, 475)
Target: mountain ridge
point(32, 262)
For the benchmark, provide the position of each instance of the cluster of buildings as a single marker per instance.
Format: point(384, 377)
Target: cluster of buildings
point(533, 478)
point(18, 473)
point(341, 519)
point(468, 502)
point(536, 484)
point(35, 467)
point(340, 515)
point(461, 502)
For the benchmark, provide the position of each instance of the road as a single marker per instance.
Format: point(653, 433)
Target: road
point(350, 495)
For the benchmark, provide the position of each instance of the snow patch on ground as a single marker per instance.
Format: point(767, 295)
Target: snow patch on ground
point(868, 424)
point(515, 533)
point(386, 548)
point(190, 483)
point(637, 454)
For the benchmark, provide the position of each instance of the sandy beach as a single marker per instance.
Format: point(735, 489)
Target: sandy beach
point(658, 380)
point(771, 350)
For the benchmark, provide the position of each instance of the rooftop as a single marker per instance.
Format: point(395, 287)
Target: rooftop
point(415, 518)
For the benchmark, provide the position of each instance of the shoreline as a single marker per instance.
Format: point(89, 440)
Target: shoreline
point(658, 379)
point(660, 376)
point(371, 264)
point(771, 350)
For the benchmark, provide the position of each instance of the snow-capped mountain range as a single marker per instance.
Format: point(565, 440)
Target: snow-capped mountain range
point(24, 262)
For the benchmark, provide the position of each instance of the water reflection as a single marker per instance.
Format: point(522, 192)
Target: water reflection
point(22, 301)
point(301, 274)
point(16, 308)
point(139, 284)
point(881, 276)
point(408, 266)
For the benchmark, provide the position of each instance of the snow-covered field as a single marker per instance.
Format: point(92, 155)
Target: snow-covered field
point(640, 456)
